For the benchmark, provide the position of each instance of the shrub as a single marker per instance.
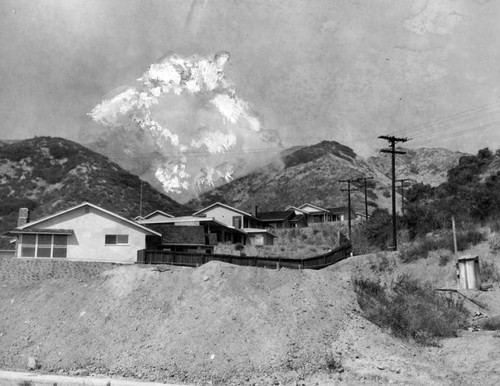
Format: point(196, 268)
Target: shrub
point(494, 243)
point(420, 248)
point(489, 271)
point(491, 323)
point(410, 309)
point(444, 258)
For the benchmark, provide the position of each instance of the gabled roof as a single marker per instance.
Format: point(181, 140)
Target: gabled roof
point(290, 207)
point(130, 222)
point(277, 215)
point(178, 221)
point(156, 212)
point(42, 231)
point(313, 206)
point(339, 210)
point(224, 206)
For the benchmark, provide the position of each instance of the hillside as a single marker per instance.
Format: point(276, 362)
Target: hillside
point(312, 173)
point(428, 166)
point(221, 324)
point(49, 174)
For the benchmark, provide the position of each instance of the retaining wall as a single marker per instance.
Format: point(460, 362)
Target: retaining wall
point(19, 271)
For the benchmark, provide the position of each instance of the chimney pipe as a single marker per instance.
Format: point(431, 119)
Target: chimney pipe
point(24, 217)
point(256, 211)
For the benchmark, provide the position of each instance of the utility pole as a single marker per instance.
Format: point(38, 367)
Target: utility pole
point(366, 195)
point(140, 202)
point(392, 142)
point(403, 180)
point(348, 190)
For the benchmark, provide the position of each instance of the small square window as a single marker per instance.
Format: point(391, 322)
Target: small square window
point(110, 239)
point(122, 239)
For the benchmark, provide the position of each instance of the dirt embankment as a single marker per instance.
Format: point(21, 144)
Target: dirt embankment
point(215, 324)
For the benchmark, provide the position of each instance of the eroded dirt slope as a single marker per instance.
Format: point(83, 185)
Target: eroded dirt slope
point(218, 323)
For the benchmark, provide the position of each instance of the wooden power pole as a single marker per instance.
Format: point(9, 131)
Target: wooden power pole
point(366, 195)
point(403, 180)
point(348, 190)
point(392, 142)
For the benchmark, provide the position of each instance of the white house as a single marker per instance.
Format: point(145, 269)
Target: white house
point(238, 219)
point(85, 232)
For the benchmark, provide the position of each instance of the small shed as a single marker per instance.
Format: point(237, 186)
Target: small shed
point(468, 272)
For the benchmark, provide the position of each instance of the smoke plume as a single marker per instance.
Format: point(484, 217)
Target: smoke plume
point(187, 121)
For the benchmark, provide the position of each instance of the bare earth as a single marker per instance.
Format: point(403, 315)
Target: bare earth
point(223, 324)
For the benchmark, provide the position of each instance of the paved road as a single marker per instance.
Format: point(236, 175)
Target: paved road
point(12, 378)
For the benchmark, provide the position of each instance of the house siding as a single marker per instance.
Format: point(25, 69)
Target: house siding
point(89, 230)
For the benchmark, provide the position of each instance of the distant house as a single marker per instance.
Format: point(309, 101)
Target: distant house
point(259, 236)
point(341, 213)
point(84, 232)
point(157, 215)
point(190, 233)
point(277, 219)
point(238, 219)
point(316, 214)
point(231, 216)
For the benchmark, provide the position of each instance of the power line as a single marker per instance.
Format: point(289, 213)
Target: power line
point(392, 142)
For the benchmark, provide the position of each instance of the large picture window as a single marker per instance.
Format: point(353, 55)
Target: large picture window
point(116, 240)
point(44, 246)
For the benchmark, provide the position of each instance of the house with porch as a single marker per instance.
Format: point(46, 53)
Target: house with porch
point(85, 232)
point(193, 233)
point(238, 219)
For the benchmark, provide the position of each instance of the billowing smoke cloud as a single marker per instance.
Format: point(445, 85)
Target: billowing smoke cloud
point(186, 113)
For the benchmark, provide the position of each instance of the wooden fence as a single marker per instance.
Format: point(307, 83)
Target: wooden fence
point(145, 256)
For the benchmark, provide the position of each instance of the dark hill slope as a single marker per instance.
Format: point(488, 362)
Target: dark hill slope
point(49, 174)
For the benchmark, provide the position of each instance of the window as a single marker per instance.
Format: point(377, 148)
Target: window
point(116, 240)
point(44, 246)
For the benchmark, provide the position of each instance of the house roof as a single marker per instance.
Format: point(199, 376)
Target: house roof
point(318, 208)
point(277, 215)
point(41, 220)
point(291, 207)
point(181, 235)
point(42, 231)
point(298, 218)
point(187, 219)
point(339, 210)
point(225, 206)
point(157, 212)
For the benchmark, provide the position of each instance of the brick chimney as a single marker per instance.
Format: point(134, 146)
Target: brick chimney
point(24, 217)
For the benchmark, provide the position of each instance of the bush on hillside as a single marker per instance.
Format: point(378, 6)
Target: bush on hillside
point(378, 228)
point(409, 309)
point(420, 248)
point(489, 271)
point(12, 205)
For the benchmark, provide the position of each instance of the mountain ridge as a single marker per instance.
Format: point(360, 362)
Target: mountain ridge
point(312, 173)
point(49, 174)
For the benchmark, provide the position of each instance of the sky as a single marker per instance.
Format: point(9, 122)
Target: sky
point(310, 70)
